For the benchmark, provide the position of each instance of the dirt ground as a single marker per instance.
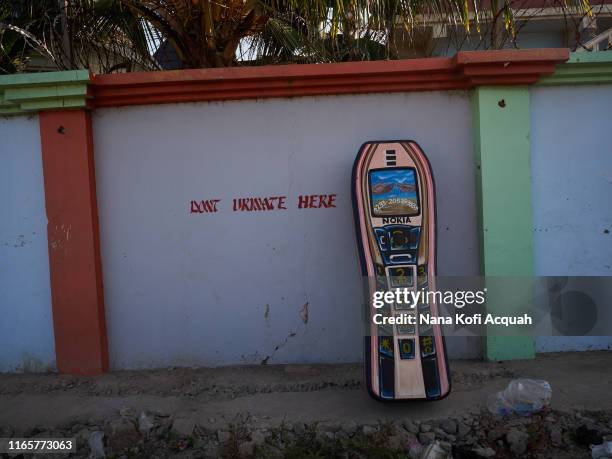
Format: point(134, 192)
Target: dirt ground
point(225, 406)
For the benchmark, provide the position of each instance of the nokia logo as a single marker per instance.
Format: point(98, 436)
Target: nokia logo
point(387, 220)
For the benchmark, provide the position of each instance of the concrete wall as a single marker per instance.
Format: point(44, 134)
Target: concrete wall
point(26, 329)
point(280, 286)
point(235, 287)
point(572, 190)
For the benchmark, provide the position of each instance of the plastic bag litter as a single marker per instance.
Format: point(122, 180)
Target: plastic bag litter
point(522, 397)
point(604, 450)
point(437, 450)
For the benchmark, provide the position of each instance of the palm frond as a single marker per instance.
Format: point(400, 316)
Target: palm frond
point(108, 35)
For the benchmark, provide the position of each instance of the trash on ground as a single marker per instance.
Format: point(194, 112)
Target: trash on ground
point(96, 444)
point(437, 450)
point(522, 397)
point(604, 450)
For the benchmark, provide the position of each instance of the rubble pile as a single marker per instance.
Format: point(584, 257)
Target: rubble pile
point(154, 434)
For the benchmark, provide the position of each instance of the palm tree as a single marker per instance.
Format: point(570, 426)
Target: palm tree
point(20, 32)
point(121, 34)
point(212, 33)
point(102, 35)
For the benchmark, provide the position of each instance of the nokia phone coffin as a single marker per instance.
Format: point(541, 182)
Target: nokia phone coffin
point(394, 207)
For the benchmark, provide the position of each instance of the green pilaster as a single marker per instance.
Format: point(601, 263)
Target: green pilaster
point(582, 68)
point(503, 184)
point(30, 92)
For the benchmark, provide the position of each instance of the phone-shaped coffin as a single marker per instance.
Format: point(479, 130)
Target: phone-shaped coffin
point(394, 205)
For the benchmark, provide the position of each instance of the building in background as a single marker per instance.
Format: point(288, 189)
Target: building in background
point(538, 24)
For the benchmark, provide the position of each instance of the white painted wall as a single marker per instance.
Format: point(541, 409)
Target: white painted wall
point(572, 190)
point(185, 289)
point(26, 328)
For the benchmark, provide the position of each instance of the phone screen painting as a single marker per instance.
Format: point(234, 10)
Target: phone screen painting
point(394, 192)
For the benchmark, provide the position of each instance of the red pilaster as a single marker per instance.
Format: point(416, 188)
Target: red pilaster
point(74, 247)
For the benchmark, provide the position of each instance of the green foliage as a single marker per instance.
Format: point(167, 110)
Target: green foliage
point(121, 35)
point(21, 22)
point(102, 35)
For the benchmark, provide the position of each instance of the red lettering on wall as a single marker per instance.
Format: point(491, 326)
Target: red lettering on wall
point(204, 206)
point(264, 204)
point(260, 204)
point(268, 203)
point(242, 204)
point(317, 201)
point(302, 202)
point(195, 207)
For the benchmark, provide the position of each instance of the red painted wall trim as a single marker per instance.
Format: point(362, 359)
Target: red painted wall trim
point(464, 71)
point(74, 243)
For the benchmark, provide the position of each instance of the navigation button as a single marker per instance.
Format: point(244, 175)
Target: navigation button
point(400, 237)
